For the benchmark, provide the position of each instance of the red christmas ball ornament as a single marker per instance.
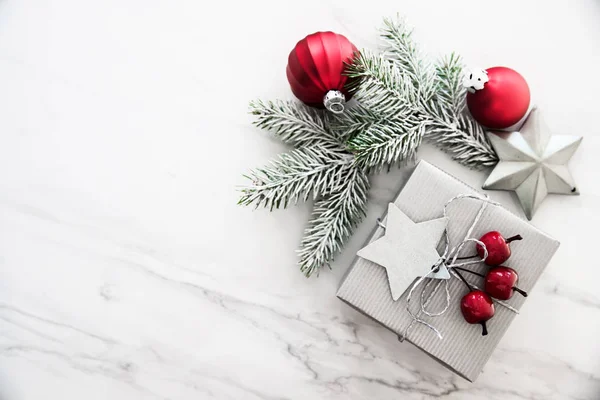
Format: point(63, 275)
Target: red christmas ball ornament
point(498, 97)
point(315, 70)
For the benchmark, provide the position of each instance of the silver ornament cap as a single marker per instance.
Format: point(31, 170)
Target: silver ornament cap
point(335, 101)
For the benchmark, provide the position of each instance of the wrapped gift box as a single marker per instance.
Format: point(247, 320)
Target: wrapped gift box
point(462, 348)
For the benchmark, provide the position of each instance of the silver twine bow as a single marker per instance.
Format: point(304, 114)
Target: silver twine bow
point(449, 254)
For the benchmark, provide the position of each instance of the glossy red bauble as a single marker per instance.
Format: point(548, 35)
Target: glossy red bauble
point(500, 283)
point(503, 101)
point(316, 67)
point(497, 247)
point(477, 307)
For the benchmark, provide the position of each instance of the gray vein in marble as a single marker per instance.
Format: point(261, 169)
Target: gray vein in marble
point(434, 387)
point(303, 360)
point(255, 393)
point(307, 355)
point(30, 330)
point(32, 211)
point(133, 248)
point(15, 310)
point(85, 363)
point(402, 387)
point(574, 295)
point(301, 353)
point(543, 359)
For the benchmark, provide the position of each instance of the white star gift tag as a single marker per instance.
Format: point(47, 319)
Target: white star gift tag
point(532, 163)
point(407, 250)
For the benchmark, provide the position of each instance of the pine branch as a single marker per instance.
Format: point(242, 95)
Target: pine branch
point(312, 170)
point(386, 142)
point(450, 92)
point(353, 121)
point(402, 100)
point(293, 122)
point(321, 168)
point(464, 140)
point(390, 118)
point(382, 88)
point(400, 49)
point(333, 220)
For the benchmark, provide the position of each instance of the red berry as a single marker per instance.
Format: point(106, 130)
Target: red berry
point(500, 283)
point(497, 247)
point(477, 307)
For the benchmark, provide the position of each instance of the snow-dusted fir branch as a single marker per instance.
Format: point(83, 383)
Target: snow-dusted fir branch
point(450, 91)
point(403, 100)
point(320, 168)
point(464, 140)
point(400, 48)
point(385, 126)
point(292, 122)
point(307, 172)
point(333, 221)
point(389, 113)
point(382, 87)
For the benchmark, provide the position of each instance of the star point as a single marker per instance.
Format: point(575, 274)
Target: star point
point(407, 250)
point(533, 163)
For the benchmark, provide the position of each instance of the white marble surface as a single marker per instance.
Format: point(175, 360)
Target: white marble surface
point(128, 272)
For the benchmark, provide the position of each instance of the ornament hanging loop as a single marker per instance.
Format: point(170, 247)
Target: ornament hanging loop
point(335, 101)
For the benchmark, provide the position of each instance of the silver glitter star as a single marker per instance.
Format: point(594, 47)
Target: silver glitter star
point(407, 250)
point(532, 163)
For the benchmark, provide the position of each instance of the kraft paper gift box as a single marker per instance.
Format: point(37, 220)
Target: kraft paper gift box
point(463, 349)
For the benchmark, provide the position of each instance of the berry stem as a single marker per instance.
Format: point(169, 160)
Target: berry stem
point(464, 280)
point(484, 330)
point(513, 238)
point(521, 291)
point(471, 272)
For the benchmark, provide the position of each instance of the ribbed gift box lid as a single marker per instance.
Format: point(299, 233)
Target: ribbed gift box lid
point(463, 348)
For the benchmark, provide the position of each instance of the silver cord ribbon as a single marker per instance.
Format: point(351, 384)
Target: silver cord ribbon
point(448, 254)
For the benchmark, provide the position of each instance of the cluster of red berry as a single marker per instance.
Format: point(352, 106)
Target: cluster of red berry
point(477, 306)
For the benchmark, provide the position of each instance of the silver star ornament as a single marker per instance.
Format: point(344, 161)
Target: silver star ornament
point(533, 163)
point(407, 250)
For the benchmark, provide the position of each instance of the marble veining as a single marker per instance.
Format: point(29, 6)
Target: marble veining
point(127, 271)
